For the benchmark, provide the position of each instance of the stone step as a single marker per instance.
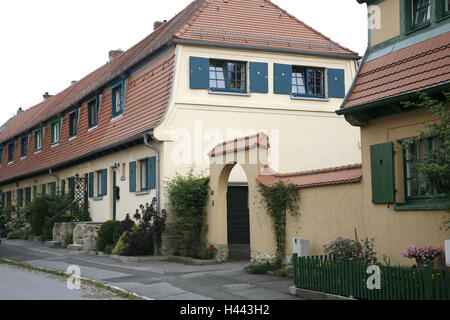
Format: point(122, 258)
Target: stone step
point(53, 244)
point(80, 242)
point(75, 247)
point(239, 252)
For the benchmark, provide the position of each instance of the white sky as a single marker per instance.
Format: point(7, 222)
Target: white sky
point(46, 44)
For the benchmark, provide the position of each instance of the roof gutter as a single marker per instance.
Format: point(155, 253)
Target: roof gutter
point(266, 49)
point(50, 172)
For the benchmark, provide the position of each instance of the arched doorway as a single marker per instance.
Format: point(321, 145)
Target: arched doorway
point(238, 217)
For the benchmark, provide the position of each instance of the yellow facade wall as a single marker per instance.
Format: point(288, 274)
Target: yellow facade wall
point(384, 21)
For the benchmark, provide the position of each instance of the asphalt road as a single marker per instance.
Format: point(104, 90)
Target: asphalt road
point(22, 284)
point(159, 280)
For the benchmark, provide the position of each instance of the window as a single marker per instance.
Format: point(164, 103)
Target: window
point(38, 140)
point(11, 148)
point(55, 127)
point(93, 113)
point(20, 197)
point(308, 81)
point(144, 175)
point(27, 195)
point(73, 123)
point(415, 188)
point(8, 197)
point(227, 76)
point(117, 99)
point(102, 182)
point(23, 146)
point(421, 12)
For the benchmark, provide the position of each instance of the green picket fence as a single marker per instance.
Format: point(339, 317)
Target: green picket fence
point(349, 278)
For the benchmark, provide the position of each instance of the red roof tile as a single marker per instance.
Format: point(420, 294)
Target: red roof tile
point(417, 67)
point(314, 178)
point(258, 140)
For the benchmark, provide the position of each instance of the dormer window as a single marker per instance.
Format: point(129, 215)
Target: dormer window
point(55, 130)
point(421, 12)
point(38, 139)
point(11, 148)
point(73, 123)
point(93, 108)
point(23, 146)
point(227, 76)
point(117, 99)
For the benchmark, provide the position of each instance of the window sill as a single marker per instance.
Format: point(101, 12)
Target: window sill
point(230, 93)
point(309, 98)
point(419, 206)
point(443, 18)
point(99, 198)
point(141, 193)
point(54, 145)
point(38, 151)
point(117, 117)
point(93, 128)
point(72, 138)
point(123, 178)
point(23, 158)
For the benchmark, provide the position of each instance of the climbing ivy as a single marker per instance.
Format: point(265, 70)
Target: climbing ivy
point(280, 198)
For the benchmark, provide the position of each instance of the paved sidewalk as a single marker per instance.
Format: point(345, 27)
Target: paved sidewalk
point(160, 280)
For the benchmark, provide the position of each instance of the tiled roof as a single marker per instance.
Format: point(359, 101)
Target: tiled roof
point(417, 67)
point(256, 23)
point(314, 178)
point(260, 140)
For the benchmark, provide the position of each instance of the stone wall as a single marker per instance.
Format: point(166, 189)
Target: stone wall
point(61, 231)
point(86, 234)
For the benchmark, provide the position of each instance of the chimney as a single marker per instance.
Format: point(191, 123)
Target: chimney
point(158, 24)
point(46, 96)
point(73, 82)
point(20, 111)
point(114, 53)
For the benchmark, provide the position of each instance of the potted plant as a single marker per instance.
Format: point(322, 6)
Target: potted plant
point(424, 256)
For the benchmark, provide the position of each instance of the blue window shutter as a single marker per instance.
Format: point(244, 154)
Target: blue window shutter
point(132, 176)
point(336, 83)
point(282, 78)
point(104, 182)
point(199, 73)
point(382, 169)
point(91, 184)
point(151, 171)
point(259, 81)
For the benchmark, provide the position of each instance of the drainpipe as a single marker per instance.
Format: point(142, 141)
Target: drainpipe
point(50, 172)
point(146, 136)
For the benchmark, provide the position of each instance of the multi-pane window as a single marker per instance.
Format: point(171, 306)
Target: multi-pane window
point(73, 123)
point(421, 12)
point(102, 182)
point(308, 81)
point(55, 131)
point(117, 99)
point(11, 148)
point(38, 140)
point(227, 75)
point(93, 113)
point(416, 187)
point(144, 174)
point(23, 146)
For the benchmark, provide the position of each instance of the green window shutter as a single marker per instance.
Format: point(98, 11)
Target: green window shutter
point(382, 167)
point(34, 191)
point(282, 78)
point(151, 171)
point(259, 80)
point(199, 73)
point(43, 190)
point(336, 83)
point(408, 15)
point(132, 176)
point(3, 200)
point(20, 197)
point(91, 185)
point(104, 182)
point(53, 189)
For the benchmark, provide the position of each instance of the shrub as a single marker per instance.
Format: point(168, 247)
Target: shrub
point(106, 235)
point(346, 249)
point(6, 220)
point(188, 196)
point(136, 242)
point(15, 234)
point(125, 225)
point(260, 268)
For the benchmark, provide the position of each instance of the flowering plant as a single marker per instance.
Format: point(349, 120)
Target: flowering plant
point(422, 255)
